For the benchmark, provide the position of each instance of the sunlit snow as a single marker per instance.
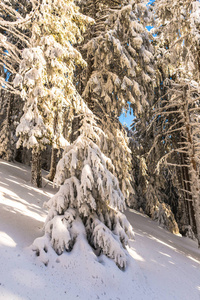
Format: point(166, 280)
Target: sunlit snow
point(160, 264)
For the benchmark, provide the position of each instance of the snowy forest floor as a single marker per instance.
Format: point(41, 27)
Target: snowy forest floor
point(160, 264)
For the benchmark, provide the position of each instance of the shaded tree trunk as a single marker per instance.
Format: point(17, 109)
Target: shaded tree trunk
point(36, 174)
point(52, 171)
point(75, 127)
point(5, 126)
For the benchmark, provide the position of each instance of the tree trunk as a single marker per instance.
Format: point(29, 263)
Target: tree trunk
point(52, 171)
point(75, 127)
point(5, 127)
point(36, 174)
point(8, 155)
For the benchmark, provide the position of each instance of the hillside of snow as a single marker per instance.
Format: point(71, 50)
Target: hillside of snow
point(160, 264)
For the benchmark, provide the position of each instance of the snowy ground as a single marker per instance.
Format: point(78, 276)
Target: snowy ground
point(160, 266)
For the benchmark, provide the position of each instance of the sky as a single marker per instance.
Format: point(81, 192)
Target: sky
point(127, 118)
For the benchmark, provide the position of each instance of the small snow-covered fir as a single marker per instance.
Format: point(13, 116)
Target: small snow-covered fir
point(89, 194)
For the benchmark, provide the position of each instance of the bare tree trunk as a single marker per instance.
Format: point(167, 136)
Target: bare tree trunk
point(52, 171)
point(36, 175)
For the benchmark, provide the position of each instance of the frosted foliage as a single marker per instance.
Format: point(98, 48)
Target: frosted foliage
point(116, 147)
point(159, 212)
point(119, 72)
point(94, 175)
point(105, 240)
point(165, 218)
point(177, 27)
point(31, 128)
point(120, 56)
point(46, 73)
point(90, 191)
point(59, 231)
point(14, 18)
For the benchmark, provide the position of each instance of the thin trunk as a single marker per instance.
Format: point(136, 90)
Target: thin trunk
point(54, 151)
point(5, 133)
point(52, 171)
point(75, 127)
point(8, 155)
point(36, 174)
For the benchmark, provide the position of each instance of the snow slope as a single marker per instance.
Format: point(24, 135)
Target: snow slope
point(160, 264)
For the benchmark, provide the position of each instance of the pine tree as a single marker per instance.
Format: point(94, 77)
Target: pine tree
point(177, 27)
point(13, 17)
point(184, 102)
point(152, 194)
point(119, 71)
point(89, 198)
point(177, 30)
point(46, 77)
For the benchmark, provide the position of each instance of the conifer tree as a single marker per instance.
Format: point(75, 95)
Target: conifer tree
point(14, 15)
point(89, 199)
point(119, 71)
point(88, 203)
point(177, 28)
point(152, 193)
point(46, 77)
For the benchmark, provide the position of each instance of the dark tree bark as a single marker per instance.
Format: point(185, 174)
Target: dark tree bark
point(52, 171)
point(36, 174)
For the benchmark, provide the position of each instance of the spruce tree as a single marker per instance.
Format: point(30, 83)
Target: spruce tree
point(89, 197)
point(46, 77)
point(119, 72)
point(13, 39)
point(177, 42)
point(88, 203)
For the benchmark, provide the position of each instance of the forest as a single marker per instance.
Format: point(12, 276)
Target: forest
point(68, 70)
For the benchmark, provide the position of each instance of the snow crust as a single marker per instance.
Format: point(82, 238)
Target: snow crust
point(160, 264)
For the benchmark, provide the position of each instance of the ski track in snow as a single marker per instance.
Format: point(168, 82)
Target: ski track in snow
point(161, 266)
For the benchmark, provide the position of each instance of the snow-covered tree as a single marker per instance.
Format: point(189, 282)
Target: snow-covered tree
point(119, 71)
point(88, 203)
point(14, 15)
point(177, 26)
point(89, 198)
point(182, 105)
point(152, 194)
point(46, 77)
point(177, 55)
point(119, 56)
